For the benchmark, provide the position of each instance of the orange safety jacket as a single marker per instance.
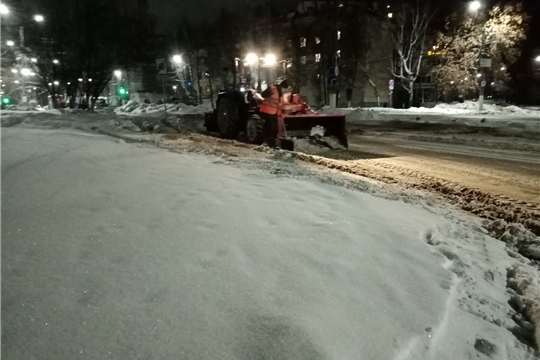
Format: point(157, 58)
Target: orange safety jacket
point(272, 104)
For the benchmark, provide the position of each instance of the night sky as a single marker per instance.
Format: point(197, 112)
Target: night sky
point(199, 10)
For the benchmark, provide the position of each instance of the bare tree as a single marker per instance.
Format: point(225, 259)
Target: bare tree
point(409, 25)
point(87, 40)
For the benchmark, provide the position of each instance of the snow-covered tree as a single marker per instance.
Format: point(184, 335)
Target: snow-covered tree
point(409, 25)
point(457, 49)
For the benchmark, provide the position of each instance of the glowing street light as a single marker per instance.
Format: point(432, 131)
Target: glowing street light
point(475, 5)
point(55, 61)
point(270, 60)
point(56, 83)
point(252, 59)
point(174, 87)
point(4, 9)
point(33, 60)
point(390, 15)
point(14, 71)
point(118, 74)
point(537, 59)
point(478, 75)
point(26, 72)
point(177, 59)
point(16, 81)
point(10, 43)
point(90, 80)
point(50, 84)
point(503, 68)
point(80, 79)
point(39, 18)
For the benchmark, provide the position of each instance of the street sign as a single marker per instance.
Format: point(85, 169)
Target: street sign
point(161, 67)
point(485, 63)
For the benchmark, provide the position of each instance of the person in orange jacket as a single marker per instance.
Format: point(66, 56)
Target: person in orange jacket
point(270, 109)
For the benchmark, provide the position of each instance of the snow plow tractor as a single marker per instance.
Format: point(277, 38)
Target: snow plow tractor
point(238, 111)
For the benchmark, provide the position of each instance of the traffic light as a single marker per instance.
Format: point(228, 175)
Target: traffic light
point(6, 101)
point(123, 92)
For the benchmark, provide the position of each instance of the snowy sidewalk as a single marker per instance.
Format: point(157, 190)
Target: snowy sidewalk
point(122, 251)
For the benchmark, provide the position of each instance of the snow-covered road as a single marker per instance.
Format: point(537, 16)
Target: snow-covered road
point(120, 251)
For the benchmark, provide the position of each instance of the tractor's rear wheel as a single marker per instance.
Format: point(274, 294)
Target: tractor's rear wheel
point(228, 119)
point(255, 130)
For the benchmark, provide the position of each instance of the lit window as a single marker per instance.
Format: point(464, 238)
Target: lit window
point(338, 34)
point(318, 57)
point(303, 60)
point(317, 40)
point(303, 42)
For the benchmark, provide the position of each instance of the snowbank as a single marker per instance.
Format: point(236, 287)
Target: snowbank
point(468, 107)
point(29, 110)
point(76, 119)
point(133, 108)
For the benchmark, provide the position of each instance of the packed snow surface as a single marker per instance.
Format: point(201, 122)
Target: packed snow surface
point(121, 251)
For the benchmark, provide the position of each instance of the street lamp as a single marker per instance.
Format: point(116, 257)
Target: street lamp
point(270, 60)
point(33, 60)
point(26, 72)
point(3, 9)
point(56, 83)
point(14, 71)
point(474, 5)
point(177, 59)
point(252, 59)
point(39, 18)
point(537, 59)
point(503, 68)
point(55, 61)
point(10, 43)
point(118, 74)
point(80, 79)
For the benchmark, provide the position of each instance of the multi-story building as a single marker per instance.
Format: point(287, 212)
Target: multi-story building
point(342, 48)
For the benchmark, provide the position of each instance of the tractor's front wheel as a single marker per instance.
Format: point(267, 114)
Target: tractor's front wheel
point(255, 130)
point(228, 119)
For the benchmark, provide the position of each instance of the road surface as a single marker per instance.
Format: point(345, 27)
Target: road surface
point(508, 173)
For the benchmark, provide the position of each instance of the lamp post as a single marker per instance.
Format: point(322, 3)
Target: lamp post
point(118, 76)
point(474, 7)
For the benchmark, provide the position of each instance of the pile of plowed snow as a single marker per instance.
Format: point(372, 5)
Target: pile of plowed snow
point(467, 107)
point(134, 108)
